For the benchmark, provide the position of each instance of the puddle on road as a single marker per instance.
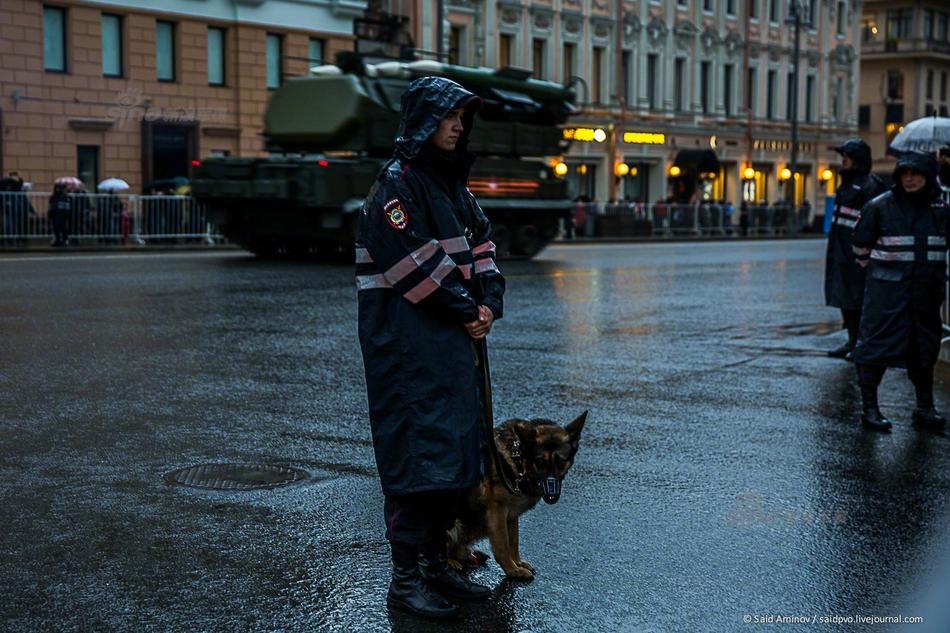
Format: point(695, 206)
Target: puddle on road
point(809, 329)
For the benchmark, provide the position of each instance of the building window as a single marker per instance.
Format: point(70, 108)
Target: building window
point(810, 99)
point(707, 5)
point(597, 76)
point(842, 17)
point(928, 24)
point(900, 24)
point(770, 95)
point(730, 7)
point(895, 85)
point(789, 95)
point(651, 81)
point(837, 99)
point(727, 74)
point(537, 57)
point(216, 56)
point(751, 91)
point(943, 86)
point(811, 13)
point(54, 39)
point(704, 86)
point(864, 117)
point(773, 11)
point(165, 50)
point(275, 61)
point(111, 45)
point(754, 9)
point(455, 43)
point(625, 71)
point(504, 49)
point(679, 85)
point(929, 110)
point(942, 26)
point(682, 3)
point(929, 85)
point(568, 66)
point(87, 165)
point(868, 30)
point(316, 50)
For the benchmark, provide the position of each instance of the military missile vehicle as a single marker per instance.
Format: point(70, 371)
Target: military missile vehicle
point(331, 131)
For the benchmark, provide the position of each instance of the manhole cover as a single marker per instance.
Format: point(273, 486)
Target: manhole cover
point(234, 476)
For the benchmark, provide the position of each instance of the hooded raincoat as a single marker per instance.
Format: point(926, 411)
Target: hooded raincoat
point(424, 262)
point(902, 239)
point(844, 278)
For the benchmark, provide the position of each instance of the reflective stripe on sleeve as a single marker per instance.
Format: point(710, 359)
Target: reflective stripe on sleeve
point(363, 256)
point(886, 256)
point(936, 240)
point(487, 247)
point(896, 240)
point(936, 256)
point(846, 222)
point(431, 283)
point(371, 282)
point(454, 245)
point(410, 262)
point(848, 211)
point(485, 265)
point(466, 270)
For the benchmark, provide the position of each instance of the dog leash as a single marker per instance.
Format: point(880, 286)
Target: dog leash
point(481, 353)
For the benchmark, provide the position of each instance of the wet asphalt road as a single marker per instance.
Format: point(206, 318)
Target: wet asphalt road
point(722, 472)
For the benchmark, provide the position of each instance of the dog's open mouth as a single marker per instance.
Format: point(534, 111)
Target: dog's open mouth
point(550, 489)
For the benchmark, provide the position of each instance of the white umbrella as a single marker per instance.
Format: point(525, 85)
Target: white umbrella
point(927, 135)
point(70, 182)
point(113, 184)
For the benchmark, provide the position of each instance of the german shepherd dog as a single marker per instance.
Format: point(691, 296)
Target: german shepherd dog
point(535, 456)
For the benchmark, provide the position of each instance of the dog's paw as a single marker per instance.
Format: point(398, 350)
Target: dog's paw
point(525, 565)
point(454, 564)
point(519, 573)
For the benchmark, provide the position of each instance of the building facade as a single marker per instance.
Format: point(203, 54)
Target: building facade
point(905, 68)
point(662, 76)
point(139, 90)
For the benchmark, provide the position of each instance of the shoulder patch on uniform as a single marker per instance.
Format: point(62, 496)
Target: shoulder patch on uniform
point(396, 214)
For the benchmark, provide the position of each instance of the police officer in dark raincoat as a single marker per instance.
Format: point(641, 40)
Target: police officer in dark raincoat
point(844, 278)
point(428, 290)
point(902, 239)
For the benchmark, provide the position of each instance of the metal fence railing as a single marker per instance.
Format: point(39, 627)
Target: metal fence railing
point(30, 217)
point(627, 219)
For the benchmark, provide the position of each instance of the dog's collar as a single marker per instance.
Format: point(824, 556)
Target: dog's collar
point(514, 448)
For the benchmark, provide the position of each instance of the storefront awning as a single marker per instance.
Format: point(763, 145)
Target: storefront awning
point(704, 160)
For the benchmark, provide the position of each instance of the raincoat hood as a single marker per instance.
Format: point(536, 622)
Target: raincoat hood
point(424, 104)
point(921, 163)
point(859, 152)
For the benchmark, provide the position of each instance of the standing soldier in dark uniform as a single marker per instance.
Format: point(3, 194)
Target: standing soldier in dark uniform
point(844, 279)
point(428, 289)
point(902, 239)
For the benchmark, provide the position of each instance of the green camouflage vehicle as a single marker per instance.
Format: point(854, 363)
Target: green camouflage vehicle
point(331, 132)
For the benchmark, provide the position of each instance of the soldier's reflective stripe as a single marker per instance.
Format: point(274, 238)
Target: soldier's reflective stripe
point(485, 265)
point(410, 262)
point(886, 256)
point(936, 256)
point(848, 211)
point(936, 240)
point(487, 247)
point(860, 251)
point(896, 240)
point(454, 245)
point(466, 270)
point(431, 283)
point(846, 222)
point(363, 256)
point(371, 282)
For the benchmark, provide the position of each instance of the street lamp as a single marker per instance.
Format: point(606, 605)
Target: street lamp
point(796, 9)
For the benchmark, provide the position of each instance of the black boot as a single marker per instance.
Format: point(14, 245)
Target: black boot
point(841, 352)
point(925, 415)
point(872, 417)
point(409, 592)
point(434, 565)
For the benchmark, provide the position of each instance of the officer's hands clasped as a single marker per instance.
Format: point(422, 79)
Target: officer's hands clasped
point(480, 328)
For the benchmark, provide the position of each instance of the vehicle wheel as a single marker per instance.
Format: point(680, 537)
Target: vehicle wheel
point(527, 241)
point(501, 236)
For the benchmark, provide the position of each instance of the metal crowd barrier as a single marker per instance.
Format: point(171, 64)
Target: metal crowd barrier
point(25, 218)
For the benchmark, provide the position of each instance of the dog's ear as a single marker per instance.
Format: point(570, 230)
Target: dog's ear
point(527, 433)
point(574, 429)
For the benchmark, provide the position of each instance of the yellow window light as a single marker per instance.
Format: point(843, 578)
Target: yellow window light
point(675, 171)
point(621, 169)
point(560, 169)
point(582, 169)
point(748, 173)
point(785, 174)
point(644, 138)
point(633, 171)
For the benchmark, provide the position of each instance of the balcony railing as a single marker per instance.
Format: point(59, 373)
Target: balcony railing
point(906, 45)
